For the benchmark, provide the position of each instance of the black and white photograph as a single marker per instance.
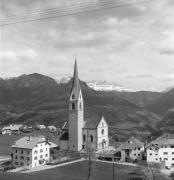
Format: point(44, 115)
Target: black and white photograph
point(86, 89)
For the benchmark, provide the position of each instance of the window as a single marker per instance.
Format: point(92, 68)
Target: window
point(73, 96)
point(161, 146)
point(21, 163)
point(172, 146)
point(172, 159)
point(172, 152)
point(150, 154)
point(46, 155)
point(165, 159)
point(84, 138)
point(73, 106)
point(41, 150)
point(102, 124)
point(35, 152)
point(156, 159)
point(16, 163)
point(35, 158)
point(28, 158)
point(150, 148)
point(138, 154)
point(83, 146)
point(165, 153)
point(22, 151)
point(165, 146)
point(80, 106)
point(41, 156)
point(46, 149)
point(139, 149)
point(91, 136)
point(22, 157)
point(102, 131)
point(16, 157)
point(135, 154)
point(16, 151)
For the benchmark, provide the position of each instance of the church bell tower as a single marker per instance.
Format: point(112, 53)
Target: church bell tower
point(76, 113)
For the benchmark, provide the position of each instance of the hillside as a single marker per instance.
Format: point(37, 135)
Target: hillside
point(162, 104)
point(140, 98)
point(36, 98)
point(167, 123)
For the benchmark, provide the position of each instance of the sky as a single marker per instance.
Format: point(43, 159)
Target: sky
point(131, 45)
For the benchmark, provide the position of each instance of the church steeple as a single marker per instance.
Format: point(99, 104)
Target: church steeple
point(76, 84)
point(76, 113)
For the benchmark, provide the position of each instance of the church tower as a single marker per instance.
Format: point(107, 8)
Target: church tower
point(76, 114)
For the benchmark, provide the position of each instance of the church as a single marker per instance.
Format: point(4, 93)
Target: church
point(82, 134)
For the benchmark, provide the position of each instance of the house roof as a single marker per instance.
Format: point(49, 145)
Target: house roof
point(131, 143)
point(12, 127)
point(29, 143)
point(165, 139)
point(65, 136)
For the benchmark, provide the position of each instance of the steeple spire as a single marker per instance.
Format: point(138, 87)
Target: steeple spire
point(76, 83)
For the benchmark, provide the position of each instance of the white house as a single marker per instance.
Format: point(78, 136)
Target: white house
point(161, 150)
point(131, 149)
point(30, 152)
point(52, 128)
point(82, 134)
point(12, 128)
point(40, 127)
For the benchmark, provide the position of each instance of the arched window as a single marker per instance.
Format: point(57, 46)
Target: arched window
point(73, 106)
point(73, 96)
point(91, 136)
point(102, 131)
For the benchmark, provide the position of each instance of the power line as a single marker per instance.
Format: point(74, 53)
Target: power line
point(79, 10)
point(61, 8)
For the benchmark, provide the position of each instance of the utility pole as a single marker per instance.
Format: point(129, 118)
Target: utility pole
point(113, 170)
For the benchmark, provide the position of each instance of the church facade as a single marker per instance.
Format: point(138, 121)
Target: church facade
point(83, 134)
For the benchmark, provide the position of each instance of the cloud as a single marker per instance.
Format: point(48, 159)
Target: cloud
point(140, 76)
point(167, 51)
point(169, 78)
point(13, 54)
point(100, 69)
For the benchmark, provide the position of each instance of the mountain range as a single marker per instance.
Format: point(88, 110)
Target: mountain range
point(36, 98)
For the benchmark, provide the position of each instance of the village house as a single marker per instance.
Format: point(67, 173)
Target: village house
point(30, 152)
point(161, 150)
point(11, 129)
point(132, 149)
point(80, 133)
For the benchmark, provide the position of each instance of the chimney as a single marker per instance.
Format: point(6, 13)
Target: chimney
point(29, 138)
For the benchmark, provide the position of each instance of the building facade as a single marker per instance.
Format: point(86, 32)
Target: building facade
point(161, 150)
point(132, 149)
point(30, 152)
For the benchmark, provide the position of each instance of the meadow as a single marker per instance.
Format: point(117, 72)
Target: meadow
point(78, 171)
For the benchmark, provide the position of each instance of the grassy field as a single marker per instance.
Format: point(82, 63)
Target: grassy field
point(77, 171)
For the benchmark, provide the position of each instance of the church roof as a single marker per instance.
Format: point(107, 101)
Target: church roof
point(92, 122)
point(76, 83)
point(65, 137)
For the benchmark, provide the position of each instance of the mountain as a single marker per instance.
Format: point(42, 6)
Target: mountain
point(106, 86)
point(162, 104)
point(36, 98)
point(140, 98)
